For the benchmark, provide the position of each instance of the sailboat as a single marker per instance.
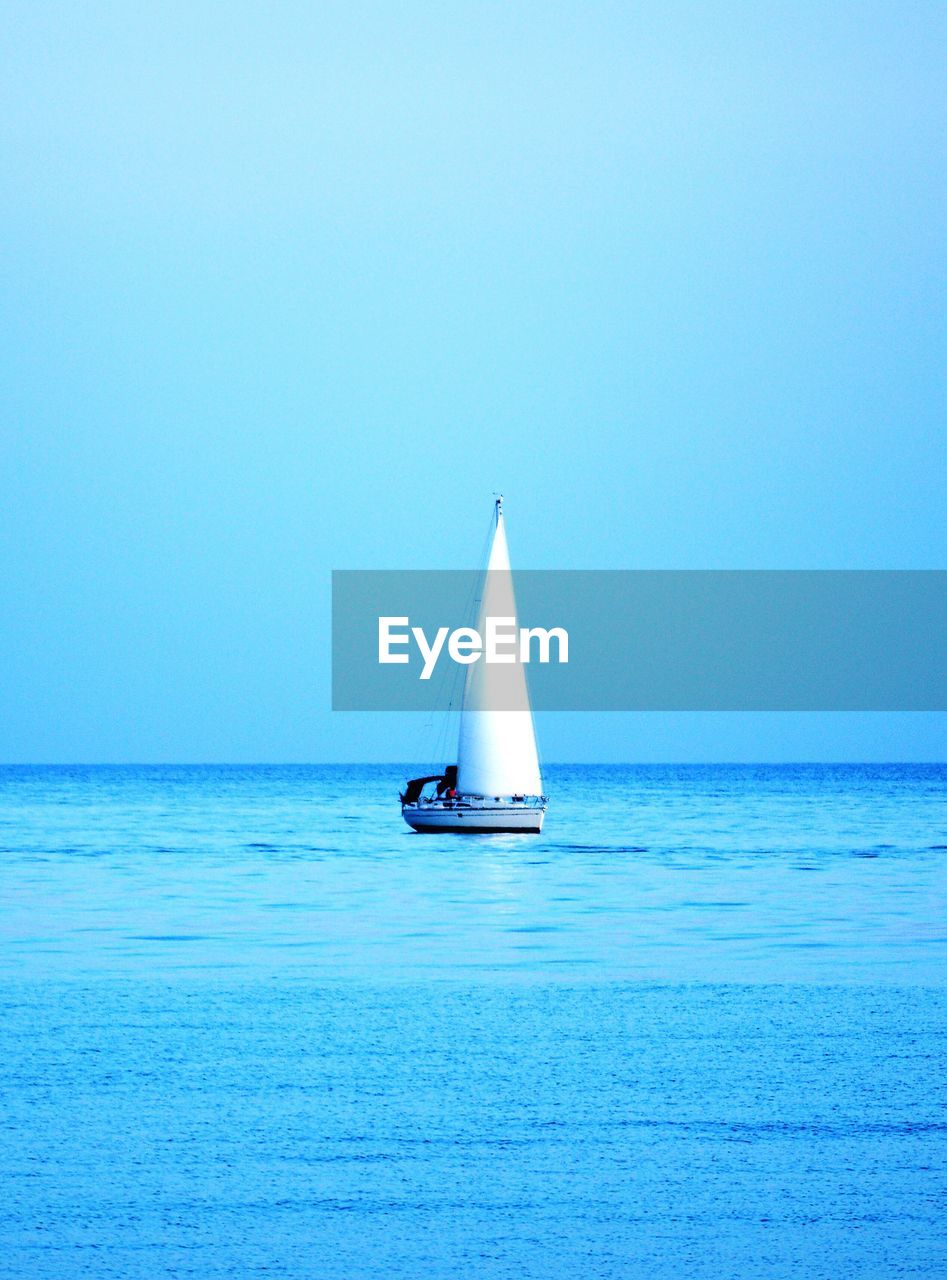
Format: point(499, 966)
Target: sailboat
point(495, 784)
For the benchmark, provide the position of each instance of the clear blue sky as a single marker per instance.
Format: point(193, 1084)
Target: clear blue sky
point(294, 287)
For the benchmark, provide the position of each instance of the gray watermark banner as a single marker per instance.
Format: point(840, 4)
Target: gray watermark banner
point(648, 640)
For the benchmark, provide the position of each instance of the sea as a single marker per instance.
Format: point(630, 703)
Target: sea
point(254, 1026)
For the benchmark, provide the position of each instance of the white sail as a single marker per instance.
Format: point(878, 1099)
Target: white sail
point(496, 753)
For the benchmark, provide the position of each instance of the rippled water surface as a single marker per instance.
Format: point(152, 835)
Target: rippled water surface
point(732, 873)
point(253, 1025)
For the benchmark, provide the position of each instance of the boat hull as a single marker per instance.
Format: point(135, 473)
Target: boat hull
point(514, 818)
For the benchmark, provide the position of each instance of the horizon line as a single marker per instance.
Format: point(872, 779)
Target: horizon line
point(344, 764)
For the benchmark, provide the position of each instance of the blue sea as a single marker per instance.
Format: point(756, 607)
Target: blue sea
point(254, 1026)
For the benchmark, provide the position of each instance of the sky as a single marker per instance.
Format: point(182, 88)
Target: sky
point(291, 288)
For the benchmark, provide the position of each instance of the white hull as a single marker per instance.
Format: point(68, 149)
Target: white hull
point(511, 816)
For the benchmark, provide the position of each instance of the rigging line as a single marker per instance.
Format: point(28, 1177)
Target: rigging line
point(447, 696)
point(450, 716)
point(469, 617)
point(445, 692)
point(451, 677)
point(450, 723)
point(480, 576)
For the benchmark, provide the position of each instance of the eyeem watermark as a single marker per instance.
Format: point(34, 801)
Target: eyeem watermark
point(502, 642)
point(639, 640)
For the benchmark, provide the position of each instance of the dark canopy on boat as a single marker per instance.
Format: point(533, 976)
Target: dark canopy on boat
point(445, 781)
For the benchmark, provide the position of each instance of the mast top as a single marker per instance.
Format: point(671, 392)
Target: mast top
point(499, 512)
